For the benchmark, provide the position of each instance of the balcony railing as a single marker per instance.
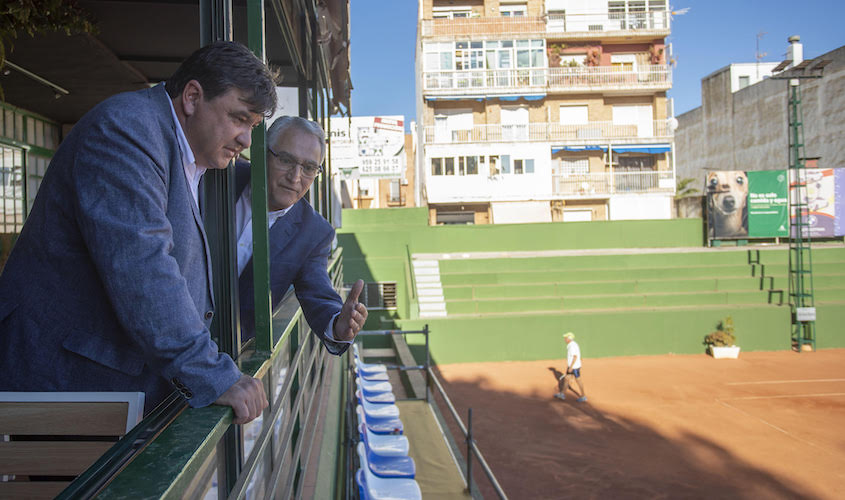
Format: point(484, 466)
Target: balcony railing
point(646, 23)
point(582, 25)
point(586, 133)
point(547, 80)
point(607, 183)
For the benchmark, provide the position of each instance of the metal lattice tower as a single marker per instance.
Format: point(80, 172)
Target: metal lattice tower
point(801, 300)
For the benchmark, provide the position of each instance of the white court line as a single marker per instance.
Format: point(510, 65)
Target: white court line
point(788, 381)
point(788, 396)
point(773, 426)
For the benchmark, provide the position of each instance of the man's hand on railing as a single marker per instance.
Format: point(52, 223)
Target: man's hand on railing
point(246, 397)
point(352, 316)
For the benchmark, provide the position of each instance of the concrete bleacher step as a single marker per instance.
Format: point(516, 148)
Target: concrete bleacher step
point(429, 288)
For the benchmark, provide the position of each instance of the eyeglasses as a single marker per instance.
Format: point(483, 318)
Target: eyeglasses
point(288, 162)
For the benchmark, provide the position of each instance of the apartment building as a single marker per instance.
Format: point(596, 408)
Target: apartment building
point(544, 110)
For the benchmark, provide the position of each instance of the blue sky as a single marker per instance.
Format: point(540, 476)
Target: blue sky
point(711, 35)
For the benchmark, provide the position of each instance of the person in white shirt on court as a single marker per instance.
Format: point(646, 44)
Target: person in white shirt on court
point(573, 369)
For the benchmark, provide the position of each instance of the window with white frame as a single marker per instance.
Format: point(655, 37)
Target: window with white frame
point(451, 12)
point(571, 166)
point(513, 9)
point(573, 114)
point(639, 116)
point(490, 54)
point(623, 62)
point(456, 165)
point(516, 166)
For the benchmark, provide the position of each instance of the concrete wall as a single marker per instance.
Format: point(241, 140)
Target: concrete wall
point(747, 130)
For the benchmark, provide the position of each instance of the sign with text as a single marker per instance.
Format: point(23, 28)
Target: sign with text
point(369, 146)
point(767, 204)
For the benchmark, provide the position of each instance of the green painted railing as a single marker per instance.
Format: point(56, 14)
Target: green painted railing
point(179, 452)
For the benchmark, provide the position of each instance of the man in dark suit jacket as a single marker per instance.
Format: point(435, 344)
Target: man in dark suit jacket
point(108, 287)
point(300, 238)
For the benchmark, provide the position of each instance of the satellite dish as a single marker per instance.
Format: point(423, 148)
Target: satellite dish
point(673, 123)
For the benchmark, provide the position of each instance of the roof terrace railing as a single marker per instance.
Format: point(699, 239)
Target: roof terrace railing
point(580, 25)
point(540, 81)
point(179, 452)
point(581, 133)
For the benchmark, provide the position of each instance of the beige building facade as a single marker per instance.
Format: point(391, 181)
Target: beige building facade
point(544, 110)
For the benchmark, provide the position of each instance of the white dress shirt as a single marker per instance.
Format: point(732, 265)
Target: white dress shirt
point(193, 172)
point(243, 224)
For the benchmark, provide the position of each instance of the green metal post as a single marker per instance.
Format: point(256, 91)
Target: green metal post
point(260, 238)
point(219, 217)
point(801, 297)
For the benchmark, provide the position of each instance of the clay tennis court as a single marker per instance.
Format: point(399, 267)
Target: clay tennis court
point(768, 425)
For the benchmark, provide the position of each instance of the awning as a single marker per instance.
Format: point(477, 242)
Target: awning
point(642, 148)
point(533, 97)
point(558, 149)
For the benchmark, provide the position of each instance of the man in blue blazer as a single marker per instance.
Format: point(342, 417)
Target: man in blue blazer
point(300, 238)
point(108, 287)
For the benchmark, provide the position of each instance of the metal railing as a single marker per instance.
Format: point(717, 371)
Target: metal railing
point(646, 23)
point(586, 24)
point(272, 454)
point(472, 448)
point(547, 80)
point(592, 132)
point(607, 183)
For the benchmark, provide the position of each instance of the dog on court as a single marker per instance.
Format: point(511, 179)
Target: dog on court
point(727, 197)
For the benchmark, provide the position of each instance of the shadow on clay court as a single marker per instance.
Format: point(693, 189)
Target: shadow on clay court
point(540, 447)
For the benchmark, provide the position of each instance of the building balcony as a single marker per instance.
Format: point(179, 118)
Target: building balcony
point(520, 82)
point(586, 133)
point(585, 26)
point(604, 184)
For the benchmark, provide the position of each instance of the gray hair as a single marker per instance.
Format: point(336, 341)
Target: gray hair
point(281, 125)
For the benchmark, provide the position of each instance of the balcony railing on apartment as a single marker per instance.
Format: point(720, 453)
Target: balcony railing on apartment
point(582, 25)
point(607, 183)
point(586, 133)
point(546, 80)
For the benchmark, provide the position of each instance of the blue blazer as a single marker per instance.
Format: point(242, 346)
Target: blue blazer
point(300, 244)
point(108, 287)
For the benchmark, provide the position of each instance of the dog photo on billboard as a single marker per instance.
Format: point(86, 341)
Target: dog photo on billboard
point(727, 203)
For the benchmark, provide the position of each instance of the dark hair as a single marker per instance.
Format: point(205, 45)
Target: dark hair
point(221, 66)
point(284, 123)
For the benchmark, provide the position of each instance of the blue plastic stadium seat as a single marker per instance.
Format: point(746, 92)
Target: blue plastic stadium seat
point(376, 397)
point(378, 410)
point(382, 488)
point(383, 466)
point(374, 386)
point(380, 425)
point(386, 445)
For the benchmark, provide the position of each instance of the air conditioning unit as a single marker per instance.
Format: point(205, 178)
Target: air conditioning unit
point(403, 182)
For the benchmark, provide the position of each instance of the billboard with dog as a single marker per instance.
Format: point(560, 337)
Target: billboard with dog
point(755, 204)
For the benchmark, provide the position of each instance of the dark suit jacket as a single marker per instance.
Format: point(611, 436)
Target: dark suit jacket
point(108, 287)
point(300, 243)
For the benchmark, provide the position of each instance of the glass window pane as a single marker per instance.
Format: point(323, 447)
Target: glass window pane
point(461, 165)
point(472, 165)
point(436, 166)
point(445, 61)
point(523, 59)
point(521, 44)
point(450, 166)
point(517, 166)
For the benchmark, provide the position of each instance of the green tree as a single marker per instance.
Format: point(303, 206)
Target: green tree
point(683, 188)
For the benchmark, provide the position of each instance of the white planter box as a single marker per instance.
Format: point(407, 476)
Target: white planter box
point(731, 352)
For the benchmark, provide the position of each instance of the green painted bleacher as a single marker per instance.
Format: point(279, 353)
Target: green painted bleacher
point(574, 283)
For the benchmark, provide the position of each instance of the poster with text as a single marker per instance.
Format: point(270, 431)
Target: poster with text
point(767, 204)
point(819, 200)
point(369, 146)
point(839, 201)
